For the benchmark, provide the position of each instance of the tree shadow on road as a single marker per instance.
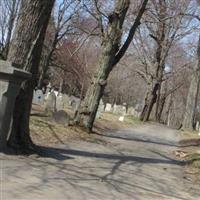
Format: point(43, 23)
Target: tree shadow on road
point(138, 138)
point(51, 152)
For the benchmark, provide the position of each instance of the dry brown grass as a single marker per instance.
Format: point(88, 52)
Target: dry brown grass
point(44, 131)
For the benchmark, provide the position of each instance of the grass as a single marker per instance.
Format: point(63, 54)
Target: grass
point(129, 119)
point(193, 160)
point(110, 121)
point(44, 131)
point(189, 133)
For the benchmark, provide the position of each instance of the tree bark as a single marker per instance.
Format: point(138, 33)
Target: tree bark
point(144, 110)
point(150, 102)
point(25, 51)
point(189, 117)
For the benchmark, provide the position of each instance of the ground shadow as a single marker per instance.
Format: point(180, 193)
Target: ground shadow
point(53, 152)
point(145, 140)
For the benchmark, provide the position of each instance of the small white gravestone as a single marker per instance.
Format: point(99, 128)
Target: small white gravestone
point(100, 109)
point(120, 110)
point(56, 92)
point(59, 103)
point(38, 97)
point(108, 107)
point(121, 118)
point(50, 106)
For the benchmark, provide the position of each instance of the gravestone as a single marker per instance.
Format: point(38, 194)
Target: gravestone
point(61, 117)
point(38, 97)
point(75, 103)
point(131, 111)
point(100, 109)
point(197, 126)
point(108, 107)
point(119, 110)
point(10, 81)
point(48, 91)
point(50, 104)
point(121, 118)
point(66, 101)
point(59, 103)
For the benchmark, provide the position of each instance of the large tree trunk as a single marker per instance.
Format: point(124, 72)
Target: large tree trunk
point(189, 117)
point(25, 51)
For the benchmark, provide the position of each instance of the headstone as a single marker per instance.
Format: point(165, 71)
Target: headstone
point(197, 126)
point(108, 107)
point(47, 92)
point(56, 92)
point(50, 106)
point(120, 110)
point(138, 107)
point(75, 103)
point(61, 117)
point(131, 111)
point(121, 118)
point(66, 101)
point(10, 82)
point(38, 97)
point(100, 109)
point(59, 103)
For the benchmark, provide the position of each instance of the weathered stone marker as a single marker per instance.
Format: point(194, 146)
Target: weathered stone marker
point(10, 81)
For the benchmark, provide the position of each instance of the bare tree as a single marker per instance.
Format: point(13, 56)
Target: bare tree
point(110, 56)
point(165, 27)
point(9, 10)
point(62, 20)
point(191, 106)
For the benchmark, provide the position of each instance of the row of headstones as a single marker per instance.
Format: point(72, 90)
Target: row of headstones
point(52, 101)
point(122, 110)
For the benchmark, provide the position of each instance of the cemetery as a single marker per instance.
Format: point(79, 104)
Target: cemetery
point(99, 100)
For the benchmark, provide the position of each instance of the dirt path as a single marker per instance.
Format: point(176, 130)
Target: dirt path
point(134, 164)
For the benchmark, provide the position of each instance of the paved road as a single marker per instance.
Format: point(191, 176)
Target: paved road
point(134, 164)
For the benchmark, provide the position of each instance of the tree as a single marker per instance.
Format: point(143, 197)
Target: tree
point(25, 51)
point(164, 26)
point(191, 105)
point(9, 10)
point(61, 25)
point(110, 55)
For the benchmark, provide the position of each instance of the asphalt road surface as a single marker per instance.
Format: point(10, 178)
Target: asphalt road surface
point(135, 164)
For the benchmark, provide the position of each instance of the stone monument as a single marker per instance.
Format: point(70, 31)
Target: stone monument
point(11, 79)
